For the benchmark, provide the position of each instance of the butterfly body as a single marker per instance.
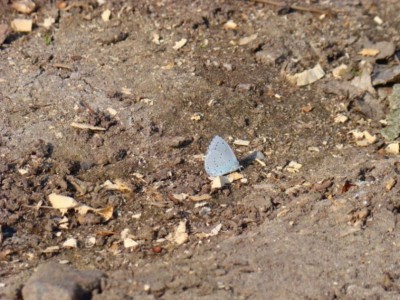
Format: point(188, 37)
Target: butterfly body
point(220, 158)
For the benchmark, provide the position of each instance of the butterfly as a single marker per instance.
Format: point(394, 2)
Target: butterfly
point(220, 158)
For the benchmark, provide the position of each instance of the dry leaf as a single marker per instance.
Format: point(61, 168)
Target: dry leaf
point(369, 52)
point(203, 197)
point(346, 186)
point(87, 126)
point(106, 212)
point(62, 203)
point(22, 25)
point(178, 45)
point(119, 185)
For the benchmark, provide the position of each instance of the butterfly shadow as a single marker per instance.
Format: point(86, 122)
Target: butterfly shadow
point(248, 160)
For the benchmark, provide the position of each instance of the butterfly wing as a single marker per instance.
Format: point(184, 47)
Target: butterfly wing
point(220, 158)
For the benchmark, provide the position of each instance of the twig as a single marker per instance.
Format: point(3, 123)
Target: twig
point(313, 10)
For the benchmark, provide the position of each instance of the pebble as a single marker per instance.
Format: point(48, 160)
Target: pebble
point(56, 281)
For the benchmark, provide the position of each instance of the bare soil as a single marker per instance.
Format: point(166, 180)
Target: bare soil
point(328, 231)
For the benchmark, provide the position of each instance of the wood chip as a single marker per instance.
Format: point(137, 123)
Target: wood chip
point(22, 25)
point(178, 45)
point(369, 52)
point(308, 76)
point(203, 197)
point(390, 183)
point(241, 142)
point(234, 176)
point(219, 182)
point(51, 249)
point(87, 126)
point(293, 167)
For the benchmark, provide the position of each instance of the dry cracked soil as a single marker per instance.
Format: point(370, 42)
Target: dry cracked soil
point(114, 103)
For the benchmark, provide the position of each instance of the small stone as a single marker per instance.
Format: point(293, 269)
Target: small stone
point(56, 281)
point(388, 75)
point(106, 15)
point(339, 71)
point(230, 25)
point(378, 20)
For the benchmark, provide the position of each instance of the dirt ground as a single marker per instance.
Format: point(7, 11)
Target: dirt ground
point(316, 218)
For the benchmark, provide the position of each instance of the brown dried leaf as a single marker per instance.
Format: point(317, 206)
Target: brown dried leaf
point(105, 233)
point(346, 186)
point(119, 185)
point(106, 212)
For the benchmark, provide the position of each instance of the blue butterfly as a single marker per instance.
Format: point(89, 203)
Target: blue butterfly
point(220, 158)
